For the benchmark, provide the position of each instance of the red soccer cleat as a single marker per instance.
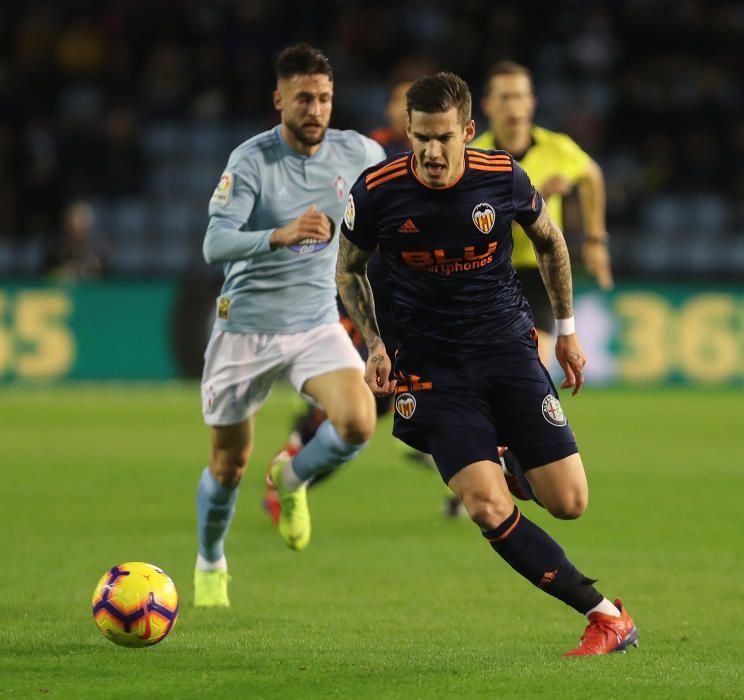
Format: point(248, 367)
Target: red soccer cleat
point(606, 634)
point(270, 501)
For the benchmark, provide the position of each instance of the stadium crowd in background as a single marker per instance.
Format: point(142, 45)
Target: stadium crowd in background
point(73, 257)
point(81, 83)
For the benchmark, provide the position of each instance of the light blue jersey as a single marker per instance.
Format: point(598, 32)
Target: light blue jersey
point(267, 185)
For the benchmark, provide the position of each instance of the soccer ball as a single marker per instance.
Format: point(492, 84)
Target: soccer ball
point(135, 604)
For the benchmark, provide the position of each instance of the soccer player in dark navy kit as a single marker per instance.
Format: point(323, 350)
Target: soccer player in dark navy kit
point(467, 375)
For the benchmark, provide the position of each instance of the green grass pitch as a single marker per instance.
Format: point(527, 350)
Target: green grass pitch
point(390, 600)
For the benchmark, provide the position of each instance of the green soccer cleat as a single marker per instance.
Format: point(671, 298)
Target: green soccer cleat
point(294, 520)
point(210, 589)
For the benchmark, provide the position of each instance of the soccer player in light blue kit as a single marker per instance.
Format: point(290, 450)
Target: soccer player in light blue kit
point(274, 218)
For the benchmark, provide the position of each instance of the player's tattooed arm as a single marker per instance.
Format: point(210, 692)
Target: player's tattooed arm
point(356, 292)
point(553, 261)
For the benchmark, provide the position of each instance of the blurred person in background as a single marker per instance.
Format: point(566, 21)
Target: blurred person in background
point(556, 164)
point(393, 137)
point(74, 257)
point(273, 224)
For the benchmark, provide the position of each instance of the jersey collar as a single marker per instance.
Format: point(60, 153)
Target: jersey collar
point(517, 156)
point(319, 155)
point(412, 168)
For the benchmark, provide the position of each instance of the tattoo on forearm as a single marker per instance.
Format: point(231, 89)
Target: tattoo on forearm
point(356, 293)
point(554, 263)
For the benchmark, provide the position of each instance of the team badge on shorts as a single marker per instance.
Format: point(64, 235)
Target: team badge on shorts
point(484, 217)
point(208, 397)
point(552, 411)
point(405, 405)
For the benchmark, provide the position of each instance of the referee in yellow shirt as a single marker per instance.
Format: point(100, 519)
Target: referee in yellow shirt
point(555, 164)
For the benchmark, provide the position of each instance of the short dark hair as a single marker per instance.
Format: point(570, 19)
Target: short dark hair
point(440, 93)
point(506, 68)
point(302, 59)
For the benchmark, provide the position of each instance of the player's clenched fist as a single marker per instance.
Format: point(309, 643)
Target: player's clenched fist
point(312, 224)
point(378, 370)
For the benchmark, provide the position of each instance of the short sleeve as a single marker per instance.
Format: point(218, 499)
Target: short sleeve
point(356, 224)
point(373, 152)
point(574, 161)
point(527, 201)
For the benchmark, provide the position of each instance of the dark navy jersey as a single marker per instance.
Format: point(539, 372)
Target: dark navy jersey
point(446, 251)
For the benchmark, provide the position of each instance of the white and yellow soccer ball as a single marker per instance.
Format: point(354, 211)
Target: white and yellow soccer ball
point(135, 604)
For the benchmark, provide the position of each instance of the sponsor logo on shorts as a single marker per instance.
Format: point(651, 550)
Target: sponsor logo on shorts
point(552, 411)
point(223, 308)
point(405, 405)
point(224, 188)
point(484, 217)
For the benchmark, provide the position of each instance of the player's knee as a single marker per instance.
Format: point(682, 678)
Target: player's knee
point(356, 432)
point(570, 506)
point(487, 513)
point(228, 466)
point(356, 426)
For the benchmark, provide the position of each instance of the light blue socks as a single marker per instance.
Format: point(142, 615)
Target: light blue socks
point(324, 452)
point(215, 506)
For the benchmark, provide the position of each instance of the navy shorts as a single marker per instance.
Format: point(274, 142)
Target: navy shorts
point(460, 409)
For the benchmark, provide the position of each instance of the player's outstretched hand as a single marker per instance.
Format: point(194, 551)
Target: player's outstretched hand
point(571, 358)
point(312, 224)
point(379, 367)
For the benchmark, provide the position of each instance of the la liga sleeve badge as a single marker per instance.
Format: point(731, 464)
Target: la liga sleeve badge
point(350, 212)
point(223, 190)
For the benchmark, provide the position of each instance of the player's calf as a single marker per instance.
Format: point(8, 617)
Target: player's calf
point(231, 449)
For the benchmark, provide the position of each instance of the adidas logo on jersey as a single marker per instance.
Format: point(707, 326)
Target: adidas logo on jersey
point(408, 227)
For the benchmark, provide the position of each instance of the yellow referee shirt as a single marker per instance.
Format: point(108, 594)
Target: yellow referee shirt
point(550, 154)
